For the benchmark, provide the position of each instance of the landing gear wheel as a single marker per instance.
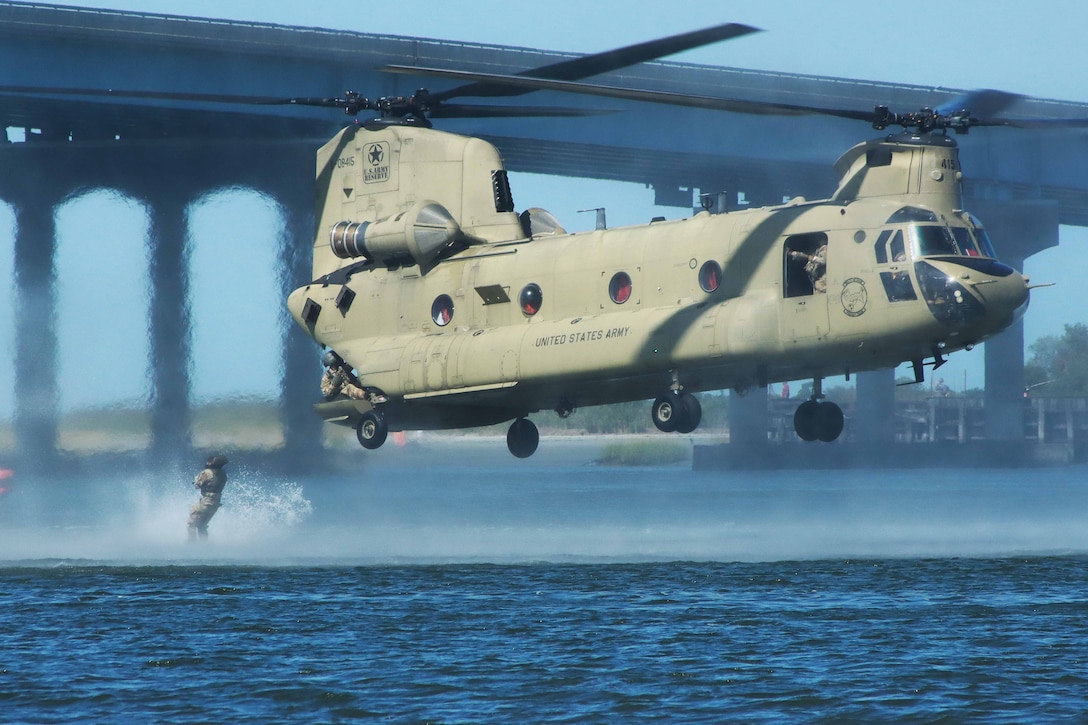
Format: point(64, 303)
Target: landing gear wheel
point(522, 438)
point(806, 420)
point(371, 430)
point(667, 412)
point(691, 413)
point(815, 420)
point(829, 422)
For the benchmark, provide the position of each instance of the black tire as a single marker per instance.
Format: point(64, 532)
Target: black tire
point(691, 413)
point(829, 421)
point(522, 438)
point(667, 412)
point(371, 430)
point(806, 420)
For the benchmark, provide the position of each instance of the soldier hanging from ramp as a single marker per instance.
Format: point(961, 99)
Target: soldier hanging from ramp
point(210, 482)
point(339, 380)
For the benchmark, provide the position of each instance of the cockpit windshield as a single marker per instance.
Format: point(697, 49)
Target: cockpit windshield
point(930, 241)
point(928, 237)
point(942, 241)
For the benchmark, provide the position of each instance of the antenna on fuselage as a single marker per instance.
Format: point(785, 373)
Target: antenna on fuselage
point(601, 223)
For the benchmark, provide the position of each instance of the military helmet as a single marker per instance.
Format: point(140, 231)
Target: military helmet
point(330, 358)
point(216, 462)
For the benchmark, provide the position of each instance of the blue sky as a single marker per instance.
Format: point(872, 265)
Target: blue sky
point(1036, 49)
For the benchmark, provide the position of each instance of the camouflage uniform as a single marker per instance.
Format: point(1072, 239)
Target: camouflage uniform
point(816, 267)
point(339, 380)
point(210, 483)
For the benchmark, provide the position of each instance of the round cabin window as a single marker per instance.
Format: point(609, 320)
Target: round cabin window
point(442, 310)
point(619, 289)
point(530, 299)
point(710, 276)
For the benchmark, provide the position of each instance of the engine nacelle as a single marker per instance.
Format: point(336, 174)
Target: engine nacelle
point(417, 234)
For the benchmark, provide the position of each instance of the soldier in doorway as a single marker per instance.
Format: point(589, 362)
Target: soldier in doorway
point(815, 267)
point(210, 483)
point(339, 380)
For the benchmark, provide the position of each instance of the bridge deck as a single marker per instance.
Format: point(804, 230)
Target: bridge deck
point(58, 46)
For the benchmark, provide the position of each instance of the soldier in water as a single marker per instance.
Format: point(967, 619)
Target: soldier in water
point(210, 483)
point(339, 380)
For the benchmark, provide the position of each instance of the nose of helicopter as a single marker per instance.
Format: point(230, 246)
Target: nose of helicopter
point(977, 297)
point(1006, 298)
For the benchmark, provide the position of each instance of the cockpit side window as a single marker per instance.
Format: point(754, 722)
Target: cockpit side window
point(911, 214)
point(983, 238)
point(898, 248)
point(964, 241)
point(881, 247)
point(896, 251)
point(805, 264)
point(898, 287)
point(897, 283)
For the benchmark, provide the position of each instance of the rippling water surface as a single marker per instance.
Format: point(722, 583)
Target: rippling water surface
point(424, 589)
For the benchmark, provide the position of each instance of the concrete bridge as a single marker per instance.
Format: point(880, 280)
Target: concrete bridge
point(166, 154)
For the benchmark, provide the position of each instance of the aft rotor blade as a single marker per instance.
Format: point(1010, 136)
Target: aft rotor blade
point(610, 60)
point(153, 95)
point(352, 103)
point(635, 94)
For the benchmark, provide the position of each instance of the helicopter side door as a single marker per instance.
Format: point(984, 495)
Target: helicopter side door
point(804, 286)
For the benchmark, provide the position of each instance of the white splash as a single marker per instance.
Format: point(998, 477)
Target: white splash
point(144, 519)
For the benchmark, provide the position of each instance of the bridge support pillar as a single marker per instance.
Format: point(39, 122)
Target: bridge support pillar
point(36, 421)
point(875, 411)
point(1018, 229)
point(748, 418)
point(301, 371)
point(34, 190)
point(169, 325)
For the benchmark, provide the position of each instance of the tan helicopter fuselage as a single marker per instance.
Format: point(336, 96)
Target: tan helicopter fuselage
point(429, 284)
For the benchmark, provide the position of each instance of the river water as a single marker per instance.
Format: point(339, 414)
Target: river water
point(449, 583)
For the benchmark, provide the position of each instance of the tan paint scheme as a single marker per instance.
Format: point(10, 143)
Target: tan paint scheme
point(583, 347)
point(422, 164)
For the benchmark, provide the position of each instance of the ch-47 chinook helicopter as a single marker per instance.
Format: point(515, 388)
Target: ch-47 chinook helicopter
point(457, 311)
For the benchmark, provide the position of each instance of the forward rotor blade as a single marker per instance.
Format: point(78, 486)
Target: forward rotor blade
point(468, 110)
point(983, 103)
point(634, 94)
point(986, 105)
point(1038, 123)
point(610, 60)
